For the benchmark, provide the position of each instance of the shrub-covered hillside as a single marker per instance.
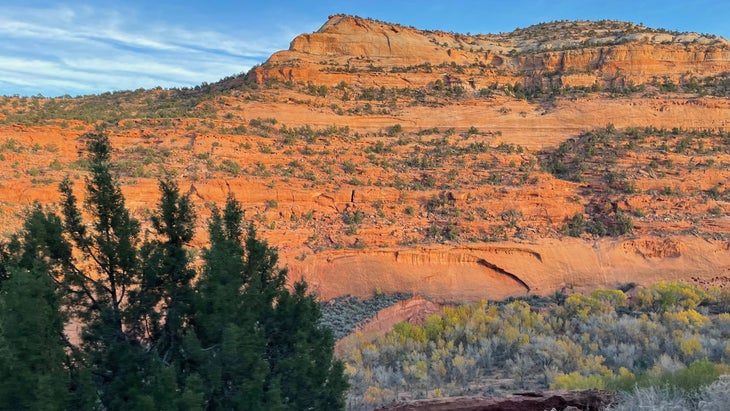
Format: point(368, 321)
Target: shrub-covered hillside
point(662, 335)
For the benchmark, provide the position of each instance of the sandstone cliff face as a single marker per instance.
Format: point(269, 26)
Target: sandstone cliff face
point(453, 204)
point(499, 270)
point(608, 53)
point(344, 36)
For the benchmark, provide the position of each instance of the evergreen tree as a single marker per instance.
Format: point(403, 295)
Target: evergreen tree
point(165, 295)
point(4, 259)
point(231, 340)
point(262, 345)
point(33, 361)
point(301, 354)
point(98, 278)
point(109, 268)
point(151, 339)
point(164, 301)
point(39, 244)
point(222, 279)
point(32, 358)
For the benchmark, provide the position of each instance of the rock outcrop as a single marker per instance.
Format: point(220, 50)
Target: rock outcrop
point(498, 270)
point(590, 400)
point(369, 52)
point(385, 158)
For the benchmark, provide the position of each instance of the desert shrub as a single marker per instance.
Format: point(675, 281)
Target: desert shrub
point(394, 130)
point(696, 388)
point(349, 167)
point(652, 399)
point(230, 167)
point(344, 314)
point(353, 217)
point(674, 295)
point(716, 396)
point(602, 340)
point(575, 226)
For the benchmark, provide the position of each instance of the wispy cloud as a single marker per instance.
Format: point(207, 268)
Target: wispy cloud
point(81, 50)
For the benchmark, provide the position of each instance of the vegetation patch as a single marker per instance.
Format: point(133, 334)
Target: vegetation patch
point(663, 337)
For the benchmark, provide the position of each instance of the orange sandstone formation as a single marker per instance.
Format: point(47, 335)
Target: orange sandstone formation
point(385, 158)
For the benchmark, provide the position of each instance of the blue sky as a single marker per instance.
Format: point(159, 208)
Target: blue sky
point(55, 48)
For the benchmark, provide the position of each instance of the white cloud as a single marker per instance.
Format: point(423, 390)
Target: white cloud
point(81, 50)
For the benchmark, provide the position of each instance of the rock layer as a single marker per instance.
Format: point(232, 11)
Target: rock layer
point(308, 140)
point(590, 400)
point(577, 53)
point(499, 270)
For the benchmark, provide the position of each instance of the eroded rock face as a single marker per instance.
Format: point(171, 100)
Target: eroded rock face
point(453, 204)
point(348, 48)
point(499, 270)
point(590, 400)
point(413, 310)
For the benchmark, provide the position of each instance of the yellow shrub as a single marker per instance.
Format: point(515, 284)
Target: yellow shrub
point(373, 395)
point(577, 381)
point(691, 346)
point(613, 298)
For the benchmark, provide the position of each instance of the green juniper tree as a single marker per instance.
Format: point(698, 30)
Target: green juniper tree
point(153, 338)
point(231, 342)
point(164, 299)
point(33, 361)
point(165, 295)
point(301, 354)
point(245, 312)
point(98, 278)
point(4, 261)
point(32, 357)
